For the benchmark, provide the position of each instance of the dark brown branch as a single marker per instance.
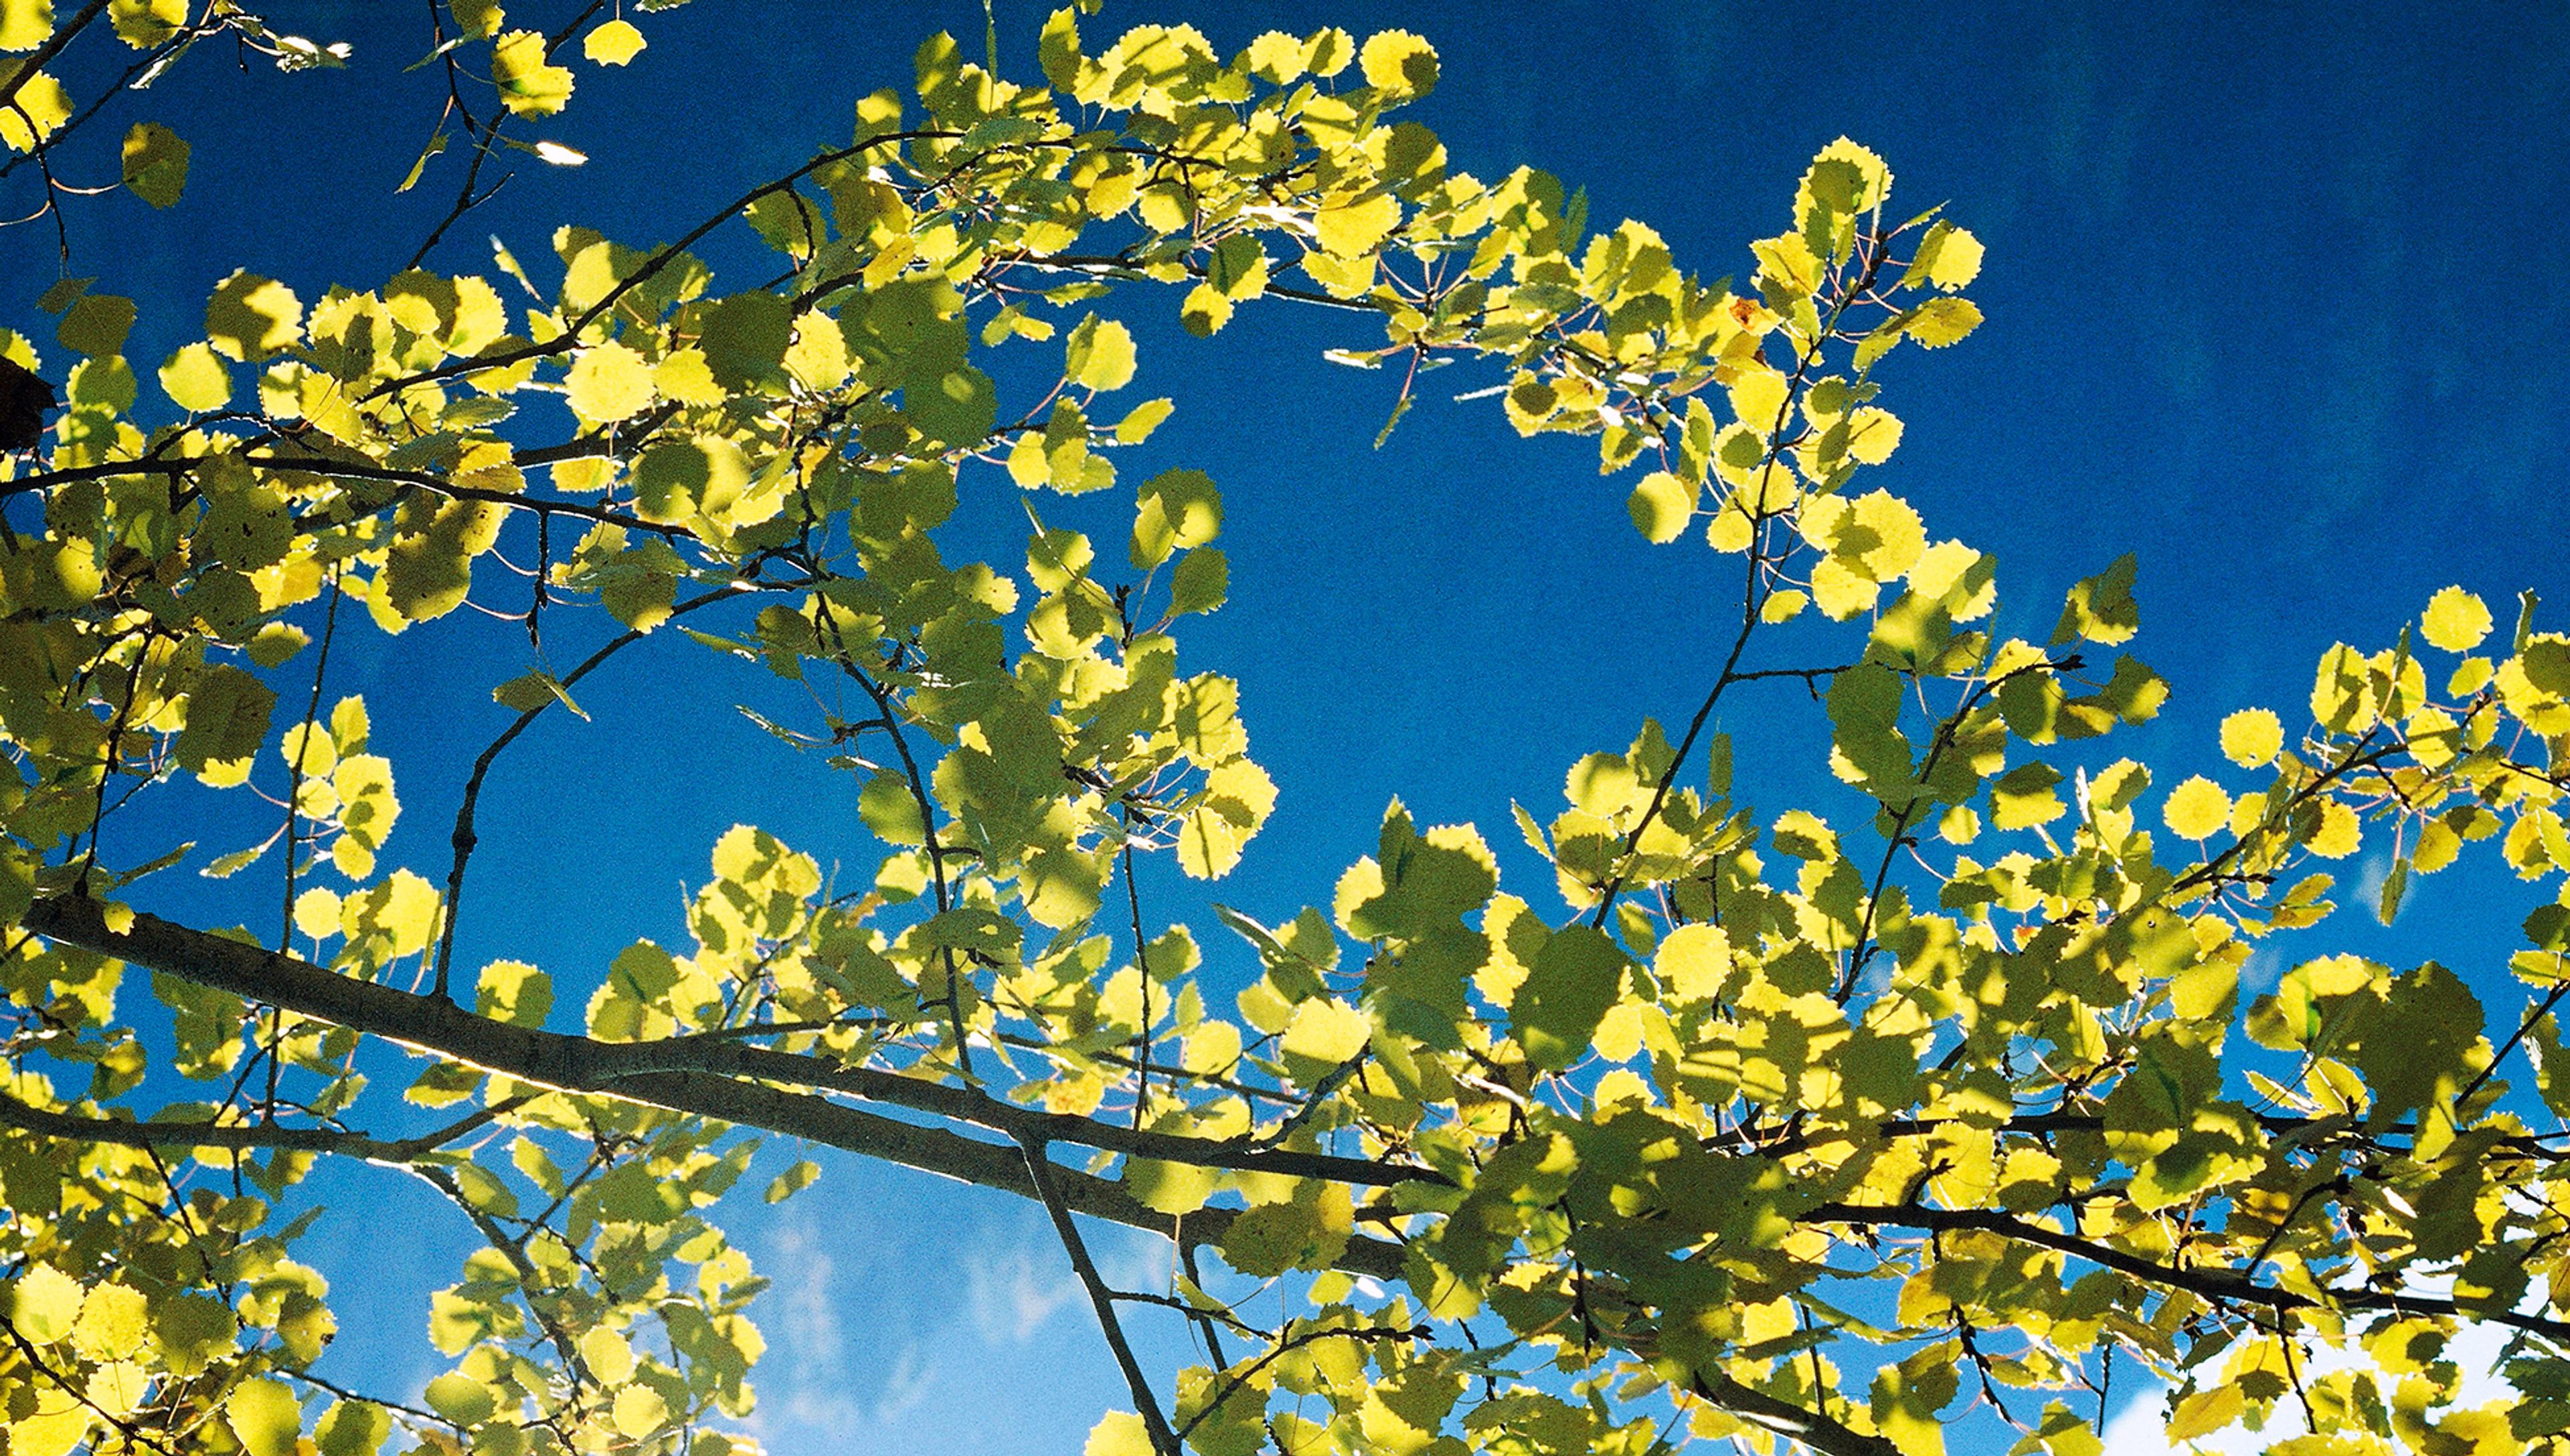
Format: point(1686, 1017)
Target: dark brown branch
point(52, 47)
point(2212, 1283)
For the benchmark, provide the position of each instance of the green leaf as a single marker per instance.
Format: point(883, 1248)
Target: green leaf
point(1200, 582)
point(155, 164)
point(530, 691)
point(460, 1398)
point(97, 325)
point(227, 713)
point(353, 1428)
point(745, 338)
point(1575, 978)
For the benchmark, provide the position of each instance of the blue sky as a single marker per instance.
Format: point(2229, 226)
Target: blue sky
point(2274, 296)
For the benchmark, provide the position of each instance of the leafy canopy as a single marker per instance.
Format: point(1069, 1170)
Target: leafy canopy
point(1813, 1126)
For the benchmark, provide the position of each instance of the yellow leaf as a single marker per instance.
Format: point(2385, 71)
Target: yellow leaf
point(1873, 435)
point(818, 357)
point(2339, 833)
point(639, 1410)
point(2205, 1412)
point(1119, 1433)
point(1839, 591)
point(316, 912)
point(41, 98)
point(1889, 536)
point(1784, 607)
point(1661, 506)
point(1693, 962)
point(610, 382)
point(2456, 620)
point(1326, 1032)
point(1757, 398)
point(2251, 737)
point(477, 19)
point(1355, 228)
point(113, 1321)
point(24, 24)
point(607, 1354)
point(1957, 260)
point(44, 1304)
point(2197, 809)
point(396, 917)
point(612, 44)
point(528, 85)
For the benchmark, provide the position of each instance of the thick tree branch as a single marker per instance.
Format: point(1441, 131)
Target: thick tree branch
point(712, 1080)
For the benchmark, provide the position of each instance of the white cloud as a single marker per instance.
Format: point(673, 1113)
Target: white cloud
point(1013, 1286)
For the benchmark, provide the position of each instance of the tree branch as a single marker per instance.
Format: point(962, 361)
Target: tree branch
point(628, 1073)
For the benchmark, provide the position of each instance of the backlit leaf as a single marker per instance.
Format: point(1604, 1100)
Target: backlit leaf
point(612, 44)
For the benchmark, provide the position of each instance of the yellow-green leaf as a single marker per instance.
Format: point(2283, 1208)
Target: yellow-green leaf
point(195, 380)
point(1399, 64)
point(528, 85)
point(155, 164)
point(266, 1416)
point(1354, 229)
point(250, 317)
